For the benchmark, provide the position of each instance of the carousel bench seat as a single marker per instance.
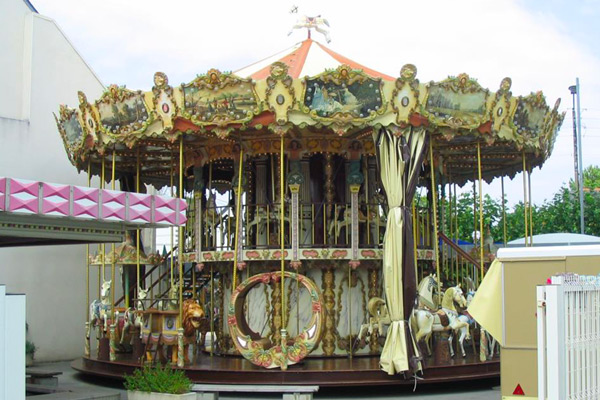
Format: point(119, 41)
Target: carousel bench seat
point(42, 376)
point(290, 392)
point(74, 395)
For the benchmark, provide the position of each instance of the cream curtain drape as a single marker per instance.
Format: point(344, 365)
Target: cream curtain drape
point(400, 158)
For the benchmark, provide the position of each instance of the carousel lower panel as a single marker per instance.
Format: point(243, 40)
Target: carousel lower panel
point(357, 371)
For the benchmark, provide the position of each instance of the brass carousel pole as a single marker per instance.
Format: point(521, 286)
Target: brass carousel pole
point(210, 168)
point(282, 233)
point(112, 186)
point(455, 233)
point(137, 232)
point(503, 211)
point(525, 201)
point(212, 311)
point(481, 267)
point(213, 336)
point(181, 240)
point(237, 216)
point(435, 232)
point(172, 229)
point(103, 244)
point(530, 206)
point(180, 251)
point(113, 325)
point(415, 236)
point(87, 277)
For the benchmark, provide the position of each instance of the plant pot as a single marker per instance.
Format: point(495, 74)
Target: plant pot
point(28, 359)
point(135, 395)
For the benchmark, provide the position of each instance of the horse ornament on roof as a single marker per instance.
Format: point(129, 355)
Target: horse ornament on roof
point(317, 23)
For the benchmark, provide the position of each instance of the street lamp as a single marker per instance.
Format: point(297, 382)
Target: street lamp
point(577, 151)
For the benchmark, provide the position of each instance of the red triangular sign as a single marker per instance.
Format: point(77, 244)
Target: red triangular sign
point(519, 390)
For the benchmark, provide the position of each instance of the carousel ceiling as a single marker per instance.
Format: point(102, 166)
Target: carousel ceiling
point(320, 100)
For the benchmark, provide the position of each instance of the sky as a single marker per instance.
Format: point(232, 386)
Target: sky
point(541, 44)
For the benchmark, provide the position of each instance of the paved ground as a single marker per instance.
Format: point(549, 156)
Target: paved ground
point(481, 390)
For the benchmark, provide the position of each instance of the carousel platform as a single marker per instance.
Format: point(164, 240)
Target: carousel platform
point(356, 371)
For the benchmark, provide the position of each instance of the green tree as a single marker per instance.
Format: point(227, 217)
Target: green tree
point(561, 214)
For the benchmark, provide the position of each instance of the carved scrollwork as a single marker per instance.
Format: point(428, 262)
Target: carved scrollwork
point(89, 122)
point(501, 109)
point(405, 97)
point(165, 107)
point(280, 95)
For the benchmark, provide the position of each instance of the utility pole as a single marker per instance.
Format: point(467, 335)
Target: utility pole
point(577, 150)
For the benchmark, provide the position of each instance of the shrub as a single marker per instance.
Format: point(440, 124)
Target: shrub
point(30, 347)
point(158, 379)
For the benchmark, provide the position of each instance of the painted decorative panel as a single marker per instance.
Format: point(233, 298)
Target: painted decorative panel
point(55, 199)
point(23, 197)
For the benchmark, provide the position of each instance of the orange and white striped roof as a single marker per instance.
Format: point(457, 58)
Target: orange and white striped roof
point(307, 58)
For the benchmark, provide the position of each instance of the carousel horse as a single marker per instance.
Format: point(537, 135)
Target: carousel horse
point(425, 322)
point(379, 317)
point(212, 216)
point(100, 311)
point(427, 293)
point(133, 317)
point(171, 302)
point(345, 222)
point(377, 223)
point(427, 299)
point(317, 23)
point(228, 230)
point(491, 344)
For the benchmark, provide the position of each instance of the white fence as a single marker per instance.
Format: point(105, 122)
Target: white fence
point(568, 314)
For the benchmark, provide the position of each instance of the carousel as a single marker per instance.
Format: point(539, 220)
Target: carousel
point(305, 257)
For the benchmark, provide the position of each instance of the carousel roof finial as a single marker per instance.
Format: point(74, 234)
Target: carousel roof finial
point(317, 23)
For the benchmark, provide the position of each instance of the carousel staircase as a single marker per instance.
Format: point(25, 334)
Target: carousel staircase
point(456, 262)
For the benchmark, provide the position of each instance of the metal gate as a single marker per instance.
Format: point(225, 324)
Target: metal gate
point(568, 332)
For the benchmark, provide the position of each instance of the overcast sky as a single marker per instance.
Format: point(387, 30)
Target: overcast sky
point(540, 44)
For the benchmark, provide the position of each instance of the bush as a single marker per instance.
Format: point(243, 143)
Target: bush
point(30, 347)
point(158, 379)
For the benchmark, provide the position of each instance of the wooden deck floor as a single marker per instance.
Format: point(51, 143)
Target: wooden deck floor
point(357, 371)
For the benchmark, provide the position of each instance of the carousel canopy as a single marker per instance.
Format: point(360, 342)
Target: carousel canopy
point(322, 100)
point(307, 58)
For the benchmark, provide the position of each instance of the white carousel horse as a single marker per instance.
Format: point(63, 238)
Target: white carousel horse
point(491, 347)
point(212, 216)
point(133, 317)
point(317, 23)
point(171, 302)
point(427, 293)
point(100, 311)
point(424, 322)
point(377, 223)
point(260, 219)
point(346, 222)
point(427, 298)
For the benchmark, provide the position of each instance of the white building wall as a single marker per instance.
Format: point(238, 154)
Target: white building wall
point(40, 69)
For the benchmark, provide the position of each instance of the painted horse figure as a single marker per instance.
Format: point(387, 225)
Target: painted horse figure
point(318, 23)
point(491, 347)
point(133, 317)
point(426, 293)
point(171, 302)
point(99, 312)
point(425, 322)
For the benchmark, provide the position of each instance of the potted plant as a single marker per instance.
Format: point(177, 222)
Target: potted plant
point(30, 349)
point(158, 383)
